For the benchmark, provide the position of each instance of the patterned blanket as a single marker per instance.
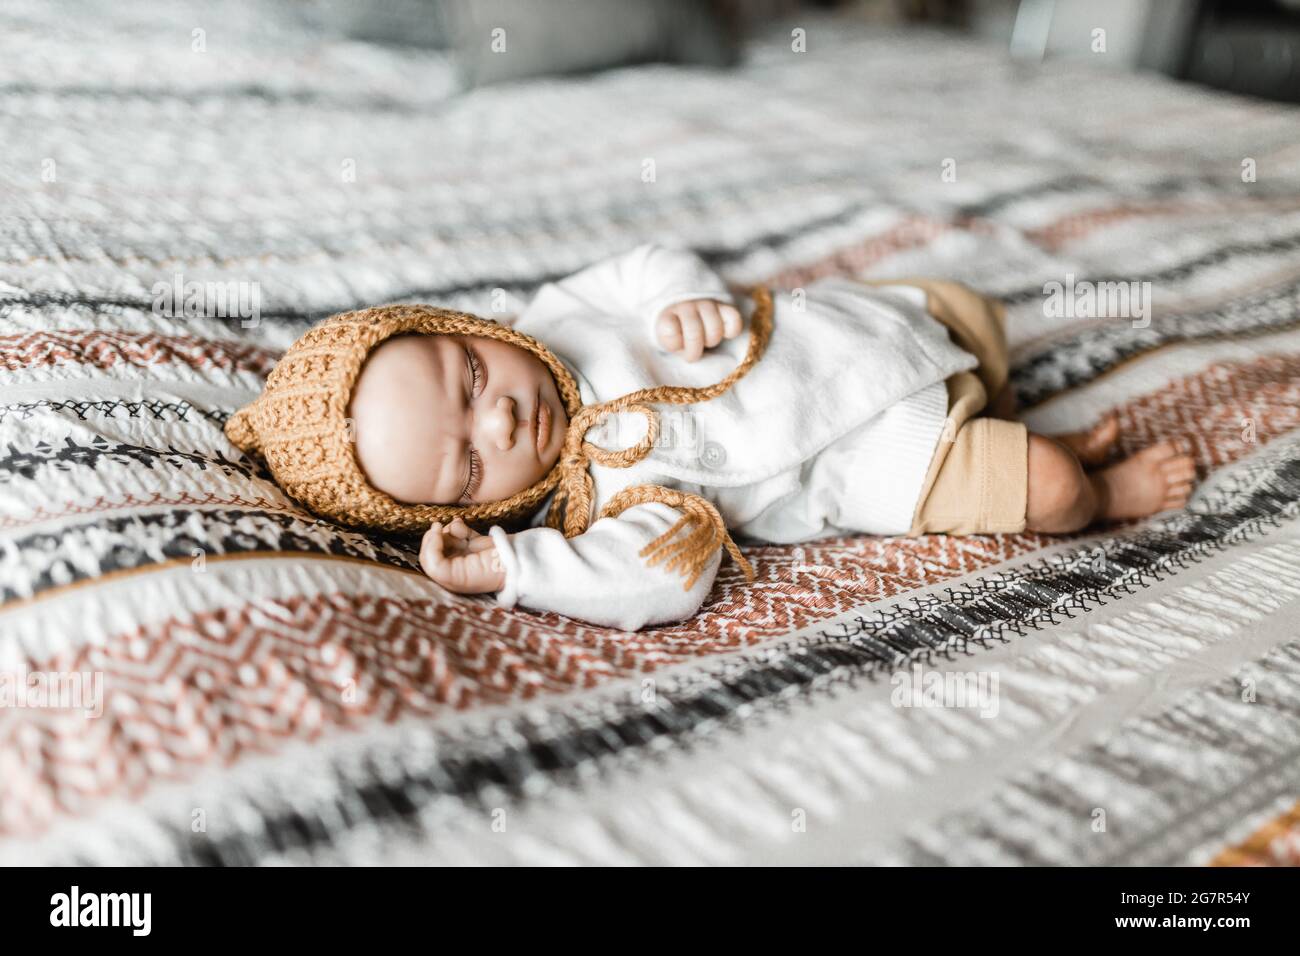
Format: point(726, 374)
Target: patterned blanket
point(194, 670)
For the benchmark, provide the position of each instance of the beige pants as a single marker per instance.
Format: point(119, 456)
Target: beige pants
point(978, 480)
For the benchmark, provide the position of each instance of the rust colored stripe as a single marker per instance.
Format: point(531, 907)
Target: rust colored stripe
point(1276, 843)
point(105, 349)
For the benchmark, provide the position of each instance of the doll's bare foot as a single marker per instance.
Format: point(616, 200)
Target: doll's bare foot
point(1155, 479)
point(1092, 446)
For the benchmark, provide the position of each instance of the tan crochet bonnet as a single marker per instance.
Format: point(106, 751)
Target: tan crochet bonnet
point(299, 425)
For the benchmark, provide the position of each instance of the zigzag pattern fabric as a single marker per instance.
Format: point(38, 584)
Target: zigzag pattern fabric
point(279, 689)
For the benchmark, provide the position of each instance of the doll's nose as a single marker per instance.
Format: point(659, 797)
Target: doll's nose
point(499, 423)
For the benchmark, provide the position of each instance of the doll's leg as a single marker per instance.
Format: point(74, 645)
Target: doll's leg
point(1064, 498)
point(1091, 446)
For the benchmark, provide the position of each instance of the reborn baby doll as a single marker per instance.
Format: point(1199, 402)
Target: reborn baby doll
point(626, 394)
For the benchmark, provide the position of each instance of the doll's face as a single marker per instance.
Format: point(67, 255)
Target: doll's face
point(455, 419)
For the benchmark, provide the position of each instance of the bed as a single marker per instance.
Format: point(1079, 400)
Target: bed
point(277, 689)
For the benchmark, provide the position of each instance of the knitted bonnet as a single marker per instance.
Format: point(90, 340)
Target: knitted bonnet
point(299, 425)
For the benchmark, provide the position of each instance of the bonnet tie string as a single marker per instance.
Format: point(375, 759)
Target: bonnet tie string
point(706, 531)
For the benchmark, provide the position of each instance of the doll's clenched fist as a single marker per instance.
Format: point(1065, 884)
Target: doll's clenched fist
point(692, 326)
point(461, 559)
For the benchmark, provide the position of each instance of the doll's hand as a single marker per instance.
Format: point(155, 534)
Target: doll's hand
point(461, 559)
point(692, 326)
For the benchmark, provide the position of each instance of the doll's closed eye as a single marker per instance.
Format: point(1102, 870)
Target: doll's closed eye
point(474, 477)
point(477, 381)
point(477, 373)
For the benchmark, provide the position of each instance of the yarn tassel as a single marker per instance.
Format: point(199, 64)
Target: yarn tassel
point(705, 531)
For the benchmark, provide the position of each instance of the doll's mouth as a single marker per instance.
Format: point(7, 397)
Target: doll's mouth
point(542, 427)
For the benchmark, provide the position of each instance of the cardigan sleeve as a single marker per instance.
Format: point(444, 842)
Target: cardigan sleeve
point(599, 576)
point(642, 283)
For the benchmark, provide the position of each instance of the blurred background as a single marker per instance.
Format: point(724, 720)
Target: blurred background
point(1246, 46)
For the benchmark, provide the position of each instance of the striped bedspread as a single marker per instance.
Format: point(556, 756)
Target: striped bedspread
point(194, 670)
